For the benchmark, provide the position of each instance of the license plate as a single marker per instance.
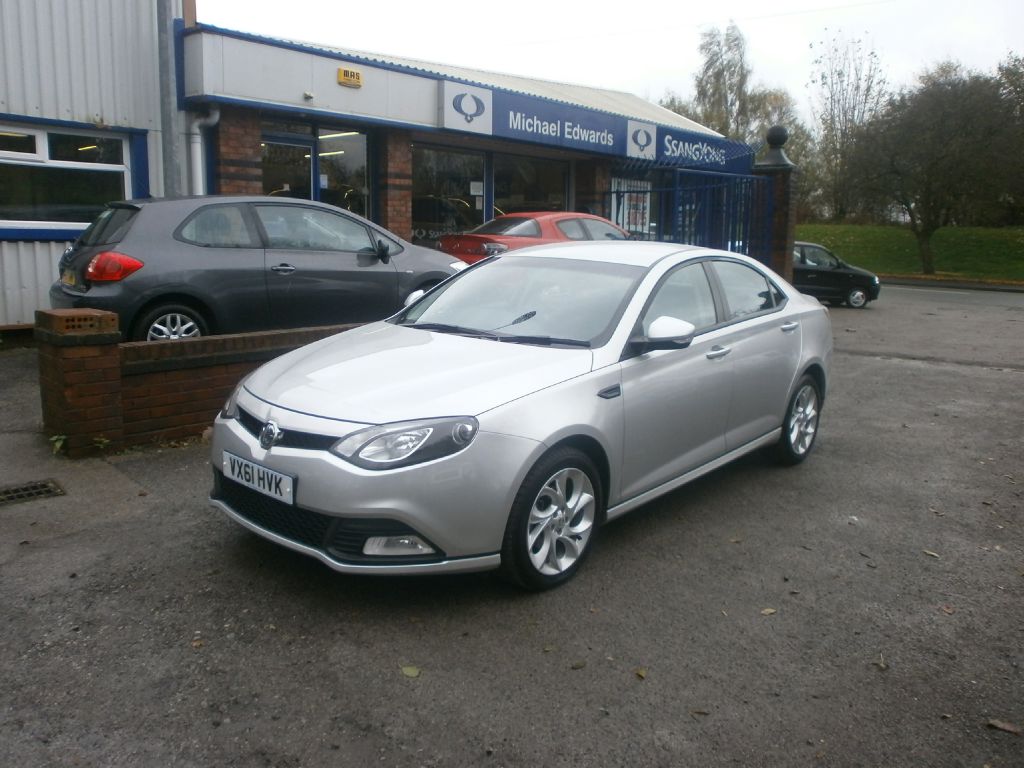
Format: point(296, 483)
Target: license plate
point(67, 278)
point(259, 478)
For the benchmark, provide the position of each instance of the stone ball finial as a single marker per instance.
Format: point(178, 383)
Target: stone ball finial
point(777, 136)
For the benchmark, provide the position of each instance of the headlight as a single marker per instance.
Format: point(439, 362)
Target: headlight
point(390, 446)
point(493, 249)
point(230, 409)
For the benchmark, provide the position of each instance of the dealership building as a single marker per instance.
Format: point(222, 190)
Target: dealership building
point(140, 100)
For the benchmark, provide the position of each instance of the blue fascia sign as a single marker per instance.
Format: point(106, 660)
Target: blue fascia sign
point(526, 118)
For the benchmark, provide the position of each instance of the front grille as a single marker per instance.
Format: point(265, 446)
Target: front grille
point(340, 537)
point(289, 438)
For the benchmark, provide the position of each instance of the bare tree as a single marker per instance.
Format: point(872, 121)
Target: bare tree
point(848, 90)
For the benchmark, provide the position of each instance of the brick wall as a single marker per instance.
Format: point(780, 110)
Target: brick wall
point(101, 394)
point(395, 183)
point(239, 168)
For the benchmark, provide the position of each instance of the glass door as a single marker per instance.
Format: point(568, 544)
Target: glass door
point(287, 169)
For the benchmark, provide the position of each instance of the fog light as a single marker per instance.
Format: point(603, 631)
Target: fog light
point(396, 546)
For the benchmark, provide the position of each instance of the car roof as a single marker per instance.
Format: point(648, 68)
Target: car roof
point(637, 253)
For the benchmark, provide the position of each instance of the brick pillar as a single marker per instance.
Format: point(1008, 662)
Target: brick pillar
point(395, 183)
point(80, 378)
point(593, 183)
point(239, 163)
point(781, 203)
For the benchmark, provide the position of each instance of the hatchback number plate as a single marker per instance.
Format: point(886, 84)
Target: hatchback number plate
point(259, 478)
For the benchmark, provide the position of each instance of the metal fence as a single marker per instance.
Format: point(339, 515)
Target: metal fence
point(728, 211)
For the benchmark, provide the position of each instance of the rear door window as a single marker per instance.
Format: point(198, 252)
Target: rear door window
point(747, 291)
point(600, 230)
point(572, 228)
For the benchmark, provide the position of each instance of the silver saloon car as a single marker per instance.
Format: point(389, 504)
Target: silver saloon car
point(499, 420)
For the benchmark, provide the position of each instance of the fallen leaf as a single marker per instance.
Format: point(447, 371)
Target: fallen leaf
point(930, 553)
point(701, 712)
point(949, 610)
point(768, 611)
point(947, 717)
point(410, 671)
point(1002, 725)
point(579, 664)
point(735, 541)
point(548, 648)
point(726, 614)
point(197, 643)
point(640, 672)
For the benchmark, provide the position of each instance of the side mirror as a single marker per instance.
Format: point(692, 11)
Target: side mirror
point(413, 297)
point(666, 333)
point(383, 252)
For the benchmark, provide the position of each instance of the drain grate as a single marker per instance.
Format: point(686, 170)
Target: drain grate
point(40, 489)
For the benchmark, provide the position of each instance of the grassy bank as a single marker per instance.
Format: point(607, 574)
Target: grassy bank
point(960, 252)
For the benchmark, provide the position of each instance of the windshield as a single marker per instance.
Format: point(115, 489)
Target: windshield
point(509, 225)
point(531, 300)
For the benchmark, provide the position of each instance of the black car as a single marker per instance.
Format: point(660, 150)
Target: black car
point(820, 273)
point(177, 268)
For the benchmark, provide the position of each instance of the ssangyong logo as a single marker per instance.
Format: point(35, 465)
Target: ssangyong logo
point(469, 106)
point(642, 138)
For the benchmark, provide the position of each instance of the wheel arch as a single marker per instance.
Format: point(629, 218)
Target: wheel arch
point(596, 453)
point(185, 299)
point(817, 372)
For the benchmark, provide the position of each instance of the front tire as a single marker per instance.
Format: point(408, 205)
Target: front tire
point(800, 427)
point(857, 298)
point(171, 321)
point(553, 522)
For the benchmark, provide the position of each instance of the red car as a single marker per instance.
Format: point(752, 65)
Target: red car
point(518, 230)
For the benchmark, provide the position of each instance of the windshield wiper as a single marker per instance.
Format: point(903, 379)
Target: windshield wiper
point(544, 341)
point(456, 329)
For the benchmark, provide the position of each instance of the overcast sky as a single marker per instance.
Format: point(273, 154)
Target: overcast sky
point(645, 48)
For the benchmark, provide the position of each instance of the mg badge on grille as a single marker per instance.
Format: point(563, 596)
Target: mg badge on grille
point(270, 435)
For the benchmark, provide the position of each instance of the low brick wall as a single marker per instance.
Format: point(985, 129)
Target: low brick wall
point(100, 394)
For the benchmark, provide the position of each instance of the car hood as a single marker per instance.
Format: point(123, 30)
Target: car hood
point(858, 271)
point(381, 372)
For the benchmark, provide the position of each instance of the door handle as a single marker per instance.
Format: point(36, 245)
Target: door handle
point(791, 326)
point(282, 269)
point(716, 352)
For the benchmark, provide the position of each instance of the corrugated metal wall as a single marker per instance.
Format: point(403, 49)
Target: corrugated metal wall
point(92, 61)
point(26, 272)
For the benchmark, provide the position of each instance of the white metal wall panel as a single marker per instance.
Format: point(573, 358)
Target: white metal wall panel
point(217, 65)
point(92, 61)
point(26, 272)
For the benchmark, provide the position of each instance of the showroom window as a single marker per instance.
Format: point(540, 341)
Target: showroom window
point(61, 175)
point(316, 163)
point(529, 184)
point(447, 192)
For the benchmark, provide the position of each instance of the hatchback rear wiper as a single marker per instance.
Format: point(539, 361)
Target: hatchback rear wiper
point(545, 341)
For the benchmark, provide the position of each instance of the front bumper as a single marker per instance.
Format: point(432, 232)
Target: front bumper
point(458, 504)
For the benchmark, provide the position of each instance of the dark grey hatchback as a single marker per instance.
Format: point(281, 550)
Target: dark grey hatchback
point(177, 268)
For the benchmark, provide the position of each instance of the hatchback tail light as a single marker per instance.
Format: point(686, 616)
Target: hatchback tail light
point(110, 266)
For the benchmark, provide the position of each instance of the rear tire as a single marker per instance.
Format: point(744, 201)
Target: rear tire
point(553, 522)
point(169, 322)
point(800, 427)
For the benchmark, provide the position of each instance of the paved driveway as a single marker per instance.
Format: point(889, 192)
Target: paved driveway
point(863, 609)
